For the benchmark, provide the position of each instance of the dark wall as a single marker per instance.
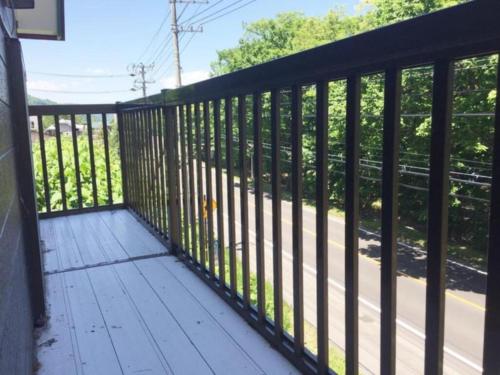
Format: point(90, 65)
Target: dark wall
point(16, 313)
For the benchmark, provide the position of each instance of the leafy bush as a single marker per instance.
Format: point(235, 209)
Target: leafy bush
point(70, 182)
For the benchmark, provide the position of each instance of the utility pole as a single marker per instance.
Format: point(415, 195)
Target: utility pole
point(175, 32)
point(176, 29)
point(140, 70)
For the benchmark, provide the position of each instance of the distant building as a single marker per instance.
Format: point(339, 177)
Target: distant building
point(65, 128)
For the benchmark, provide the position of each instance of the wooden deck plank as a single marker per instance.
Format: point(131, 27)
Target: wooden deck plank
point(133, 237)
point(220, 350)
point(86, 240)
point(181, 354)
point(97, 354)
point(108, 243)
point(67, 251)
point(56, 350)
point(255, 346)
point(149, 316)
point(136, 349)
point(50, 261)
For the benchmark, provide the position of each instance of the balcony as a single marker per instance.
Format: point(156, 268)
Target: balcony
point(119, 304)
point(173, 239)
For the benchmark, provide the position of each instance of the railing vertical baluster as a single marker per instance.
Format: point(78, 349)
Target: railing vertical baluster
point(390, 178)
point(259, 205)
point(124, 156)
point(176, 185)
point(220, 197)
point(154, 167)
point(185, 187)
point(163, 116)
point(172, 170)
point(147, 170)
point(199, 177)
point(124, 127)
point(137, 161)
point(43, 155)
point(208, 181)
point(276, 204)
point(245, 256)
point(62, 177)
point(92, 158)
point(192, 201)
point(141, 160)
point(106, 157)
point(491, 359)
point(297, 235)
point(156, 161)
point(163, 192)
point(228, 103)
point(77, 161)
point(322, 224)
point(437, 233)
point(151, 169)
point(352, 222)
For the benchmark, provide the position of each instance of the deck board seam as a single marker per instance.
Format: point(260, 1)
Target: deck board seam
point(69, 313)
point(174, 318)
point(145, 326)
point(132, 304)
point(214, 319)
point(104, 320)
point(85, 270)
point(156, 294)
point(104, 264)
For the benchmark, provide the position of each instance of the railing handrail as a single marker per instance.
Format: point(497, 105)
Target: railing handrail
point(70, 109)
point(418, 41)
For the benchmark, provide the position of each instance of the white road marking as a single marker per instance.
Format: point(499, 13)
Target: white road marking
point(375, 308)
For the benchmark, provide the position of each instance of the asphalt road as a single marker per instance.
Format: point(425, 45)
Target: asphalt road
point(464, 294)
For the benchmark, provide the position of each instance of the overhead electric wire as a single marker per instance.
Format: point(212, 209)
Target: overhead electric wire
point(153, 38)
point(161, 49)
point(203, 11)
point(80, 75)
point(216, 12)
point(229, 12)
point(219, 13)
point(182, 11)
point(80, 92)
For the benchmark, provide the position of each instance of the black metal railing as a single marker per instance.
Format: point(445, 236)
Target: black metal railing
point(172, 149)
point(76, 153)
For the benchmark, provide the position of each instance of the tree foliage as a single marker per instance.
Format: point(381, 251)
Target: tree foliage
point(472, 127)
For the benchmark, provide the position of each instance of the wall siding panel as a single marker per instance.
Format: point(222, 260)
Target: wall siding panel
point(16, 317)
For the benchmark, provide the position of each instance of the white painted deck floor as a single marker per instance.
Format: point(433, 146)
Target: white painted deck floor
point(117, 304)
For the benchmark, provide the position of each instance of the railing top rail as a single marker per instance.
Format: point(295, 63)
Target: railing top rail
point(70, 109)
point(457, 32)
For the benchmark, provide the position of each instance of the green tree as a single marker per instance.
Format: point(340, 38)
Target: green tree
point(472, 127)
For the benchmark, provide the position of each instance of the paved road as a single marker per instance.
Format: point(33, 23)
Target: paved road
point(464, 295)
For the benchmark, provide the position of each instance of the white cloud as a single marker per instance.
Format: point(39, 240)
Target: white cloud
point(187, 78)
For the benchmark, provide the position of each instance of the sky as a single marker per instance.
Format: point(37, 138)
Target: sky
point(107, 37)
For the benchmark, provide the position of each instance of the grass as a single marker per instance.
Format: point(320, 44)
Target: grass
point(337, 360)
point(410, 235)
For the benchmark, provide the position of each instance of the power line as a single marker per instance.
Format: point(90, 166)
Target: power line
point(80, 92)
point(155, 35)
point(217, 11)
point(203, 11)
point(229, 12)
point(217, 14)
point(81, 75)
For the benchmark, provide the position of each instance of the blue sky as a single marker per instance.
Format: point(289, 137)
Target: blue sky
point(104, 37)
